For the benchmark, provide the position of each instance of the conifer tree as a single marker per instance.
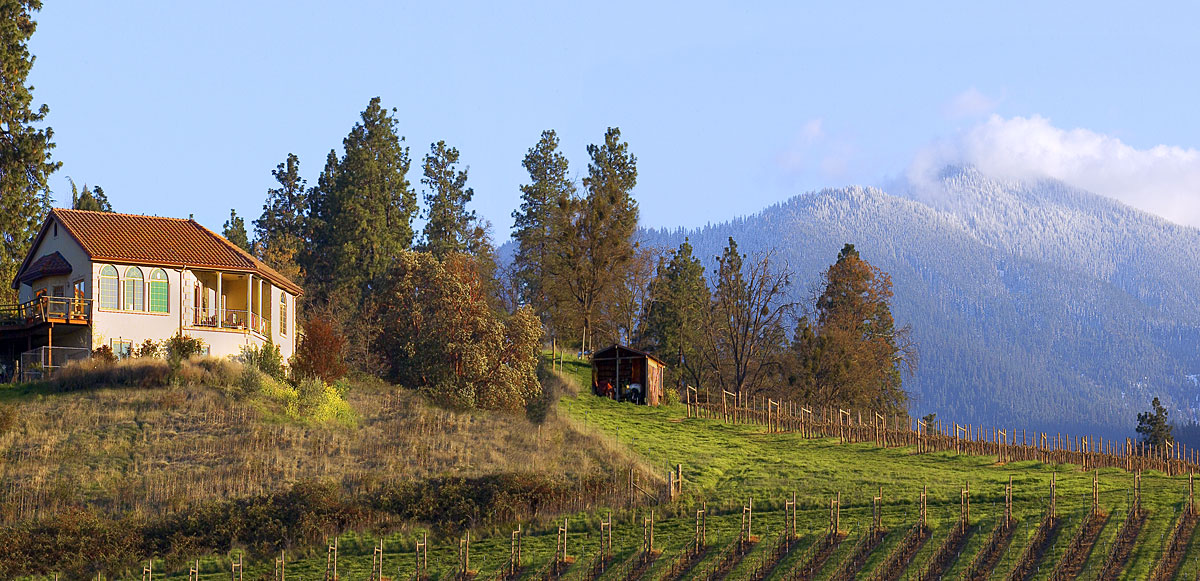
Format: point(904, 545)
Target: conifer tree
point(86, 198)
point(360, 213)
point(851, 354)
point(25, 160)
point(1153, 426)
point(675, 321)
point(279, 233)
point(593, 236)
point(451, 226)
point(235, 231)
point(548, 191)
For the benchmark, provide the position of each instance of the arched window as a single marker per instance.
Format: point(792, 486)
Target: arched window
point(109, 283)
point(135, 299)
point(282, 313)
point(160, 292)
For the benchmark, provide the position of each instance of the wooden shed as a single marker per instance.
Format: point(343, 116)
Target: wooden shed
point(627, 374)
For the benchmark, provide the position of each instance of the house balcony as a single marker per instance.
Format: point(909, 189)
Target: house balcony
point(45, 310)
point(206, 318)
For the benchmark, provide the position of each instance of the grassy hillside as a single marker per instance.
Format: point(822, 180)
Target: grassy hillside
point(725, 467)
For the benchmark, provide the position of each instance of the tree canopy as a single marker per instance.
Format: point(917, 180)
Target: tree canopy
point(1153, 426)
point(25, 160)
point(86, 198)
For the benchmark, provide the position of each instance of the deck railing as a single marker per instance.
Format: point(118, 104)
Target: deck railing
point(229, 319)
point(45, 309)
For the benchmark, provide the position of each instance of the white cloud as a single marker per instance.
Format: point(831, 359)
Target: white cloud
point(969, 103)
point(1164, 180)
point(799, 154)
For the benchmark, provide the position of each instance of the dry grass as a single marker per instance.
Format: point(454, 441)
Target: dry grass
point(147, 451)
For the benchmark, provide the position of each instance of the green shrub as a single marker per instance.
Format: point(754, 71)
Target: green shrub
point(266, 359)
point(148, 348)
point(182, 347)
point(104, 353)
point(670, 396)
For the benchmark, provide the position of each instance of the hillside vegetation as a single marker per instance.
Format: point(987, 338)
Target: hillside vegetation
point(729, 466)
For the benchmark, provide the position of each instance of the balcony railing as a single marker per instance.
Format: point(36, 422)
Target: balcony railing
point(233, 319)
point(68, 310)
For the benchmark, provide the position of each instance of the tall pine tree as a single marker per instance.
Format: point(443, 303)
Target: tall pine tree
point(548, 191)
point(593, 237)
point(451, 226)
point(92, 199)
point(360, 213)
point(235, 231)
point(675, 321)
point(25, 162)
point(279, 233)
point(851, 354)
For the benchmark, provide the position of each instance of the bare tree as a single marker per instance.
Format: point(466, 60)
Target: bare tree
point(745, 327)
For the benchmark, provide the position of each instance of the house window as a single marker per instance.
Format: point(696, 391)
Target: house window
point(283, 314)
point(121, 348)
point(135, 299)
point(160, 291)
point(108, 287)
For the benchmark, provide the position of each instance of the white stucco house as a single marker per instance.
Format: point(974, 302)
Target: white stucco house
point(100, 278)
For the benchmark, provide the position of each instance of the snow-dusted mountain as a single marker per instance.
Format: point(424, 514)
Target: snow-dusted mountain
point(1035, 305)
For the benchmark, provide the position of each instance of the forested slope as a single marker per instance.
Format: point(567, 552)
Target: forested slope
point(1034, 304)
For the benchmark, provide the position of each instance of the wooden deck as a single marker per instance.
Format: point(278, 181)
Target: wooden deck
point(45, 310)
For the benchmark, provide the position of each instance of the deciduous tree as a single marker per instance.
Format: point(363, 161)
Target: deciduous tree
point(745, 318)
point(441, 335)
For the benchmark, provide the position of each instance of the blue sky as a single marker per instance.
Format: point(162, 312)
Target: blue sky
point(184, 108)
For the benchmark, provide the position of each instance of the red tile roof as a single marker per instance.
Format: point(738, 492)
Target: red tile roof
point(48, 265)
point(151, 240)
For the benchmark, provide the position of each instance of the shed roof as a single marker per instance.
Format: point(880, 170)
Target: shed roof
point(615, 350)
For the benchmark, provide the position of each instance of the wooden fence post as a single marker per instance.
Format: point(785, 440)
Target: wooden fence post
point(422, 555)
point(331, 558)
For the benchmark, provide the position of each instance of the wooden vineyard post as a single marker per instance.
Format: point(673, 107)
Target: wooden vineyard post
point(964, 515)
point(331, 559)
point(747, 523)
point(1000, 445)
point(789, 518)
point(1191, 494)
point(844, 427)
point(806, 426)
point(922, 427)
point(560, 548)
point(464, 556)
point(193, 572)
point(835, 515)
point(648, 535)
point(694, 402)
point(280, 565)
point(514, 550)
point(701, 538)
point(377, 562)
point(235, 570)
point(1096, 492)
point(924, 506)
point(1137, 491)
point(147, 571)
point(422, 557)
point(1008, 503)
point(1053, 485)
point(876, 512)
point(880, 428)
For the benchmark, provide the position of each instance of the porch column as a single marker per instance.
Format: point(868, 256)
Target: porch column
point(220, 303)
point(261, 319)
point(249, 301)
